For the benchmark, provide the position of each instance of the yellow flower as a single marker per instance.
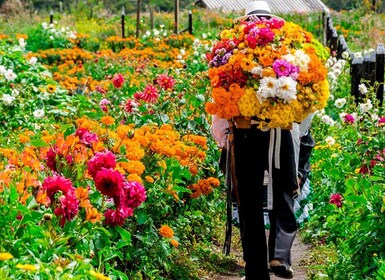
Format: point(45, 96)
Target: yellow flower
point(107, 120)
point(26, 267)
point(51, 88)
point(5, 256)
point(99, 276)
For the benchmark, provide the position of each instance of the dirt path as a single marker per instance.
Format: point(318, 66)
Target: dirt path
point(298, 252)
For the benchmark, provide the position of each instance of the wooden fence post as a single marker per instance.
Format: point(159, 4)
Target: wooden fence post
point(138, 20)
point(380, 63)
point(51, 16)
point(326, 19)
point(334, 42)
point(123, 21)
point(190, 22)
point(356, 75)
point(176, 22)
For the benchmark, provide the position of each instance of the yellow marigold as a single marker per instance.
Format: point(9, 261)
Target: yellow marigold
point(107, 120)
point(5, 256)
point(162, 164)
point(149, 179)
point(174, 243)
point(166, 231)
point(26, 267)
point(134, 177)
point(99, 275)
point(135, 167)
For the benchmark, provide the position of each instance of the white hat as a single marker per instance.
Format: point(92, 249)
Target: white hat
point(257, 8)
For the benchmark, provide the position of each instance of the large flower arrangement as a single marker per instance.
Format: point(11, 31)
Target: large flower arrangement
point(269, 70)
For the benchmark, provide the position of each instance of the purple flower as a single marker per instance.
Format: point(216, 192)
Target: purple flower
point(282, 67)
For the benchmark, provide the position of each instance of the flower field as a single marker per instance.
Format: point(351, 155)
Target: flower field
point(108, 169)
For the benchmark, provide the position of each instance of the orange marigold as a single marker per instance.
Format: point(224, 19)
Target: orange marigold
point(166, 231)
point(107, 120)
point(174, 243)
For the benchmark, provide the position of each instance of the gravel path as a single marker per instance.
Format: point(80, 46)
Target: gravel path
point(299, 251)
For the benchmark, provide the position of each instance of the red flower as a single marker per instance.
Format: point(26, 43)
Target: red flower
point(69, 207)
point(101, 159)
point(109, 182)
point(118, 80)
point(165, 82)
point(117, 217)
point(150, 94)
point(100, 89)
point(130, 106)
point(336, 198)
point(54, 184)
point(50, 158)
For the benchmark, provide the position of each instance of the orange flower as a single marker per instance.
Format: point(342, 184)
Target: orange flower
point(107, 120)
point(149, 179)
point(24, 139)
point(166, 231)
point(82, 195)
point(93, 215)
point(174, 243)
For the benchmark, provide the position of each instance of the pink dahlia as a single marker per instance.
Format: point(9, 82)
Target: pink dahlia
point(135, 194)
point(54, 184)
point(336, 198)
point(109, 182)
point(118, 80)
point(165, 82)
point(130, 106)
point(86, 137)
point(282, 67)
point(104, 159)
point(69, 207)
point(118, 216)
point(103, 104)
point(150, 94)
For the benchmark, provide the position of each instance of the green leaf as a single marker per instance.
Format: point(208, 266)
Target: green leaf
point(124, 234)
point(142, 218)
point(39, 143)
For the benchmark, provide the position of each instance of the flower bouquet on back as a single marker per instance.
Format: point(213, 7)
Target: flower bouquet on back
point(267, 70)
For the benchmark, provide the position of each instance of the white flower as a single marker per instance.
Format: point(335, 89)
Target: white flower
point(38, 113)
point(164, 34)
point(44, 25)
point(330, 140)
point(257, 70)
point(22, 43)
point(156, 32)
point(179, 57)
point(267, 88)
point(3, 70)
point(345, 55)
point(32, 60)
point(8, 99)
point(365, 107)
point(375, 117)
point(286, 89)
point(72, 36)
point(51, 37)
point(204, 35)
point(337, 72)
point(302, 60)
point(15, 93)
point(51, 25)
point(148, 33)
point(327, 120)
point(161, 26)
point(362, 88)
point(182, 51)
point(9, 75)
point(340, 102)
point(342, 115)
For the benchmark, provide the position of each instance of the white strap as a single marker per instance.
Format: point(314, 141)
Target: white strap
point(275, 134)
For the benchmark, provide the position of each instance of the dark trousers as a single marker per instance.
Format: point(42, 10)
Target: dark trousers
point(251, 148)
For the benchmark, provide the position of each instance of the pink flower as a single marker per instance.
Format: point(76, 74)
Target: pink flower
point(165, 82)
point(109, 182)
point(117, 217)
point(336, 199)
point(104, 104)
point(130, 106)
point(69, 207)
point(282, 67)
point(86, 137)
point(134, 194)
point(54, 184)
point(100, 89)
point(150, 94)
point(349, 119)
point(381, 121)
point(118, 80)
point(265, 36)
point(104, 159)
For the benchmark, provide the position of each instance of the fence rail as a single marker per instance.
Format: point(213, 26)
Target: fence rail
point(368, 68)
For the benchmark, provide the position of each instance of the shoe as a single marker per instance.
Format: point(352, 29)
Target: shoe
point(281, 269)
